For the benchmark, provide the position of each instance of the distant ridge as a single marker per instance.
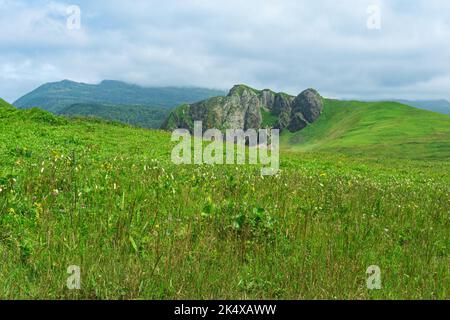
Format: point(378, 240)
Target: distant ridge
point(56, 96)
point(440, 106)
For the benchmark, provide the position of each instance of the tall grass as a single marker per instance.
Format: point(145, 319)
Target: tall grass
point(108, 199)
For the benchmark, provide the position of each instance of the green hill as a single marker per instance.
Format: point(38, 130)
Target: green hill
point(375, 129)
point(5, 105)
point(56, 96)
point(140, 116)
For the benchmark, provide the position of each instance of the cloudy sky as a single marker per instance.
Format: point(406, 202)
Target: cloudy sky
point(286, 45)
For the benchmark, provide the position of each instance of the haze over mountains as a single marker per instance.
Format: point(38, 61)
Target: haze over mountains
point(440, 106)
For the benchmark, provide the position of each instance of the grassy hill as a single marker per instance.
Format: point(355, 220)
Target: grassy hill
point(140, 116)
point(5, 105)
point(375, 129)
point(106, 197)
point(56, 96)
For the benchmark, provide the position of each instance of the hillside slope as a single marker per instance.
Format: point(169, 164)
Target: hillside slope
point(58, 95)
point(375, 128)
point(140, 116)
point(5, 105)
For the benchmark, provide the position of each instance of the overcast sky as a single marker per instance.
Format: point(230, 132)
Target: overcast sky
point(280, 44)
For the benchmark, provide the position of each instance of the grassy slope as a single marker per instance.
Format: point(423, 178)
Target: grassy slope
point(268, 119)
point(374, 129)
point(5, 105)
point(106, 197)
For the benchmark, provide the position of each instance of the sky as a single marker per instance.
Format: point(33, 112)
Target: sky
point(352, 49)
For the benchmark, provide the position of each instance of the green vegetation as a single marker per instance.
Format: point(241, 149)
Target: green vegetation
point(106, 197)
point(59, 95)
point(5, 105)
point(372, 129)
point(140, 116)
point(240, 88)
point(268, 119)
point(178, 114)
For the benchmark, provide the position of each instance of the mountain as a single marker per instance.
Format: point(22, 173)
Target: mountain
point(441, 106)
point(248, 108)
point(59, 95)
point(373, 129)
point(136, 115)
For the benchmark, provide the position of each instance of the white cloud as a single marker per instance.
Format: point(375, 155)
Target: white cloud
point(282, 44)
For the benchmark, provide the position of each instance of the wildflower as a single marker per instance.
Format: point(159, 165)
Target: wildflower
point(55, 192)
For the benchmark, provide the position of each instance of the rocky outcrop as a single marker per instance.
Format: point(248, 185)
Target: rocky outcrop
point(248, 108)
point(309, 104)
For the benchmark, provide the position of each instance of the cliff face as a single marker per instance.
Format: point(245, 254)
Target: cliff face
point(247, 108)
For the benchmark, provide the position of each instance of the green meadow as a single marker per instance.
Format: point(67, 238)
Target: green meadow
point(367, 184)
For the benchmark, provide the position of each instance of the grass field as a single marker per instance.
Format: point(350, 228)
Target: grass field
point(107, 198)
